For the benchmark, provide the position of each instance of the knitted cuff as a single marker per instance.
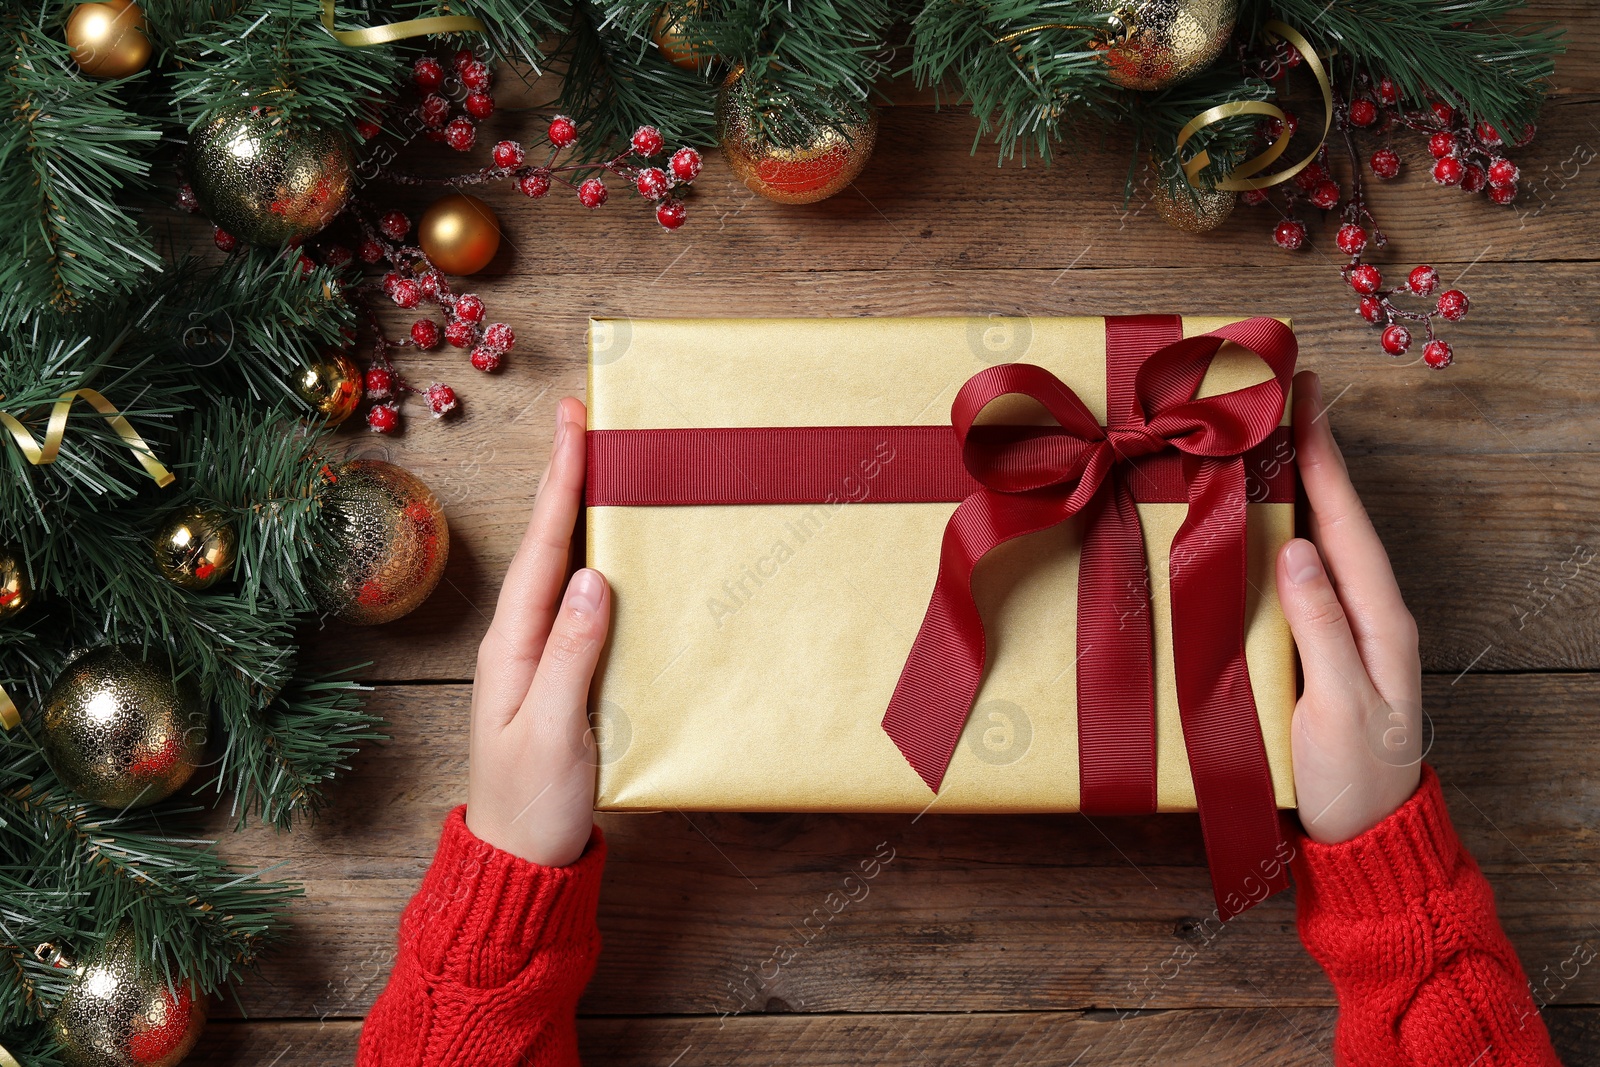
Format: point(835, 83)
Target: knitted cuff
point(1390, 869)
point(481, 913)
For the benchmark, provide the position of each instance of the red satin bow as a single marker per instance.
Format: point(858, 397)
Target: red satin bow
point(1030, 482)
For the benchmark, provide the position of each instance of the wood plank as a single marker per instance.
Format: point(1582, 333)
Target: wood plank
point(1195, 1037)
point(1037, 913)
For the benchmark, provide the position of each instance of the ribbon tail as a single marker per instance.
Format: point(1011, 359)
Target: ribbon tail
point(1116, 676)
point(1221, 728)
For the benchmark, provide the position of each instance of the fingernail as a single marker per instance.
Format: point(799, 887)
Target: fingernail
point(1316, 389)
point(583, 595)
point(561, 430)
point(1302, 562)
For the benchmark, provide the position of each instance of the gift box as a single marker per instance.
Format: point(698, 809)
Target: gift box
point(949, 565)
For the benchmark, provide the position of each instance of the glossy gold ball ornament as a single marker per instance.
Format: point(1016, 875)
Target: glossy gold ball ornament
point(1162, 42)
point(667, 34)
point(16, 592)
point(120, 731)
point(109, 39)
point(1193, 210)
point(332, 385)
point(118, 1011)
point(266, 179)
point(459, 233)
point(390, 542)
point(195, 548)
point(814, 171)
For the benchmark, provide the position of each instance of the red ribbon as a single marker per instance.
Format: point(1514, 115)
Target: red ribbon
point(1160, 443)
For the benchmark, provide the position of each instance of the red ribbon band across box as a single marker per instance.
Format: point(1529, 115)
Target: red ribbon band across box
point(1160, 444)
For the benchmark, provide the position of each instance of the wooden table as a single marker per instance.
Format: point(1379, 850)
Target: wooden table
point(1045, 939)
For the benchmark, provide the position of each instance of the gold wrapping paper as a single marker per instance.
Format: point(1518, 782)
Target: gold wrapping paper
point(754, 648)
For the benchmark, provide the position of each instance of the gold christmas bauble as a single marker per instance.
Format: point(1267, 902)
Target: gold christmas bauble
point(16, 592)
point(1165, 41)
point(459, 233)
point(332, 385)
point(119, 1012)
point(1193, 210)
point(120, 730)
point(268, 180)
point(195, 548)
point(109, 39)
point(667, 34)
point(389, 542)
point(814, 171)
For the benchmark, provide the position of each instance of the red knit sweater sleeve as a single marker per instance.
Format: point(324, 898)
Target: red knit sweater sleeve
point(494, 953)
point(1404, 923)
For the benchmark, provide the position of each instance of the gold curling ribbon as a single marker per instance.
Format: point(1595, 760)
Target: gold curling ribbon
point(10, 720)
point(1239, 179)
point(40, 454)
point(6, 1058)
point(397, 31)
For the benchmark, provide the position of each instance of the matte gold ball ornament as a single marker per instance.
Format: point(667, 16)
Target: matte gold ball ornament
point(16, 592)
point(266, 179)
point(1191, 210)
point(389, 542)
point(195, 548)
point(332, 385)
point(1162, 42)
point(676, 47)
point(119, 1011)
point(120, 730)
point(109, 39)
point(830, 159)
point(460, 234)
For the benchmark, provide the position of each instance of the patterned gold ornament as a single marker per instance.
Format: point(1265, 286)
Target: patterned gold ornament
point(16, 592)
point(1193, 211)
point(120, 731)
point(266, 180)
point(118, 1011)
point(459, 233)
point(390, 543)
point(813, 171)
point(332, 385)
point(196, 548)
point(666, 32)
point(1165, 41)
point(109, 39)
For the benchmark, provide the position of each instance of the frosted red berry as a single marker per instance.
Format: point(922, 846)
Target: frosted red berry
point(479, 105)
point(1372, 309)
point(1385, 163)
point(1366, 279)
point(367, 129)
point(406, 293)
point(652, 183)
point(370, 251)
point(1486, 133)
point(534, 185)
point(433, 111)
point(469, 308)
point(1503, 172)
point(378, 383)
point(1388, 92)
point(186, 198)
point(223, 239)
point(1443, 144)
point(1444, 112)
point(592, 193)
point(1274, 126)
point(1502, 194)
point(425, 333)
point(1307, 179)
point(1290, 234)
point(499, 335)
point(427, 74)
point(563, 132)
point(390, 280)
point(508, 154)
point(306, 264)
point(1525, 136)
point(460, 334)
point(337, 256)
point(1474, 178)
point(1396, 339)
point(1453, 305)
point(1448, 171)
point(395, 225)
point(441, 399)
point(686, 164)
point(1254, 197)
point(1351, 239)
point(383, 418)
point(1437, 354)
point(671, 213)
point(486, 359)
point(460, 134)
point(1325, 195)
point(474, 75)
point(429, 281)
point(1363, 112)
point(1423, 280)
point(462, 58)
point(647, 140)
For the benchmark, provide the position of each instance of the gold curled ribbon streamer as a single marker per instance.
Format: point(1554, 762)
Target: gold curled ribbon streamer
point(398, 31)
point(6, 1058)
point(10, 719)
point(1240, 178)
point(40, 454)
